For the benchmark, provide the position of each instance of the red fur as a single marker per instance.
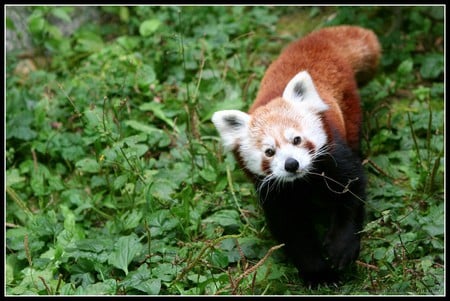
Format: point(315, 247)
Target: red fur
point(335, 57)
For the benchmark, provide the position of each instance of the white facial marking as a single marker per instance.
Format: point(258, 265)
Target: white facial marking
point(232, 126)
point(301, 155)
point(311, 132)
point(290, 134)
point(301, 109)
point(252, 155)
point(268, 142)
point(301, 89)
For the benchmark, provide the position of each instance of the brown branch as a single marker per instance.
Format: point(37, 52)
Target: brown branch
point(235, 283)
point(366, 265)
point(379, 169)
point(35, 161)
point(47, 288)
point(27, 250)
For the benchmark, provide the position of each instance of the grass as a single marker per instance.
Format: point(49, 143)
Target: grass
point(116, 183)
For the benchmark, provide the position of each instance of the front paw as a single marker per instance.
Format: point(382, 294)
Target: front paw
point(316, 270)
point(341, 250)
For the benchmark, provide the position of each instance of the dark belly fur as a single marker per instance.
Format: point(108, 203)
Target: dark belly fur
point(317, 219)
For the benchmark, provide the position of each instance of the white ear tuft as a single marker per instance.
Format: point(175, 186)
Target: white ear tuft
point(232, 125)
point(301, 89)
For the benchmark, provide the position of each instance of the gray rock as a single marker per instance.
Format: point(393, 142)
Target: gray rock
point(20, 39)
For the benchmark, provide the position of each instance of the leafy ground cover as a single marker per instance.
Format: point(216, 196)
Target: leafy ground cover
point(116, 182)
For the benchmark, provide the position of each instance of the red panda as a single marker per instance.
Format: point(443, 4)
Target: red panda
point(300, 144)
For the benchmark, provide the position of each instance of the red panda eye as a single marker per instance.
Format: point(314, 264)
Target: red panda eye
point(297, 140)
point(269, 152)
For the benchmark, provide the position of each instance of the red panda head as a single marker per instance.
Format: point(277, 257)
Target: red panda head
point(281, 139)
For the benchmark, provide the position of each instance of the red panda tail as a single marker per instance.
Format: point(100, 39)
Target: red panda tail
point(359, 46)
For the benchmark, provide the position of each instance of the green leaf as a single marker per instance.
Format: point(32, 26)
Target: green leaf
point(136, 150)
point(37, 181)
point(160, 139)
point(55, 33)
point(157, 109)
point(219, 258)
point(197, 278)
point(165, 271)
point(55, 183)
point(161, 222)
point(434, 230)
point(126, 248)
point(86, 279)
point(379, 253)
point(30, 285)
point(88, 165)
point(95, 245)
point(36, 23)
point(147, 75)
point(61, 13)
point(148, 27)
point(11, 264)
point(120, 181)
point(88, 41)
point(22, 132)
point(72, 153)
point(93, 117)
point(229, 104)
point(208, 173)
point(432, 66)
point(10, 24)
point(107, 287)
point(141, 127)
point(225, 218)
point(252, 247)
point(69, 219)
point(140, 280)
point(124, 14)
point(128, 42)
point(131, 219)
point(13, 177)
point(405, 67)
point(163, 189)
point(45, 224)
point(135, 139)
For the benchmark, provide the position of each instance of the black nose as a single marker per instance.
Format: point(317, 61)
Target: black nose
point(291, 165)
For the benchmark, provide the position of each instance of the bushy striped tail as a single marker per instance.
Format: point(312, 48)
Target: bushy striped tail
point(359, 46)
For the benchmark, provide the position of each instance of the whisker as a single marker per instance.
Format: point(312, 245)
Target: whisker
point(271, 182)
point(266, 183)
point(322, 152)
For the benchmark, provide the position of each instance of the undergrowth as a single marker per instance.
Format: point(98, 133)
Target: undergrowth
point(116, 183)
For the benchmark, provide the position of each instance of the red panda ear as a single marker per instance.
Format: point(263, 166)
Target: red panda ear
point(301, 89)
point(232, 125)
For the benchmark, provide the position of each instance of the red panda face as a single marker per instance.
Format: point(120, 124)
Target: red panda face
point(282, 139)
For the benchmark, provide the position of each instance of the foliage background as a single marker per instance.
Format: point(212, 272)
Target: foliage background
point(116, 182)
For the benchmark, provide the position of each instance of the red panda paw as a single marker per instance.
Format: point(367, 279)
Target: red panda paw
point(342, 249)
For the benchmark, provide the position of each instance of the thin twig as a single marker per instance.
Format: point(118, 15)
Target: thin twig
point(230, 186)
point(207, 246)
point(413, 135)
point(60, 276)
point(340, 184)
point(259, 263)
point(27, 250)
point(379, 169)
point(47, 288)
point(78, 113)
point(11, 192)
point(366, 265)
point(11, 225)
point(35, 161)
point(242, 255)
point(234, 284)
